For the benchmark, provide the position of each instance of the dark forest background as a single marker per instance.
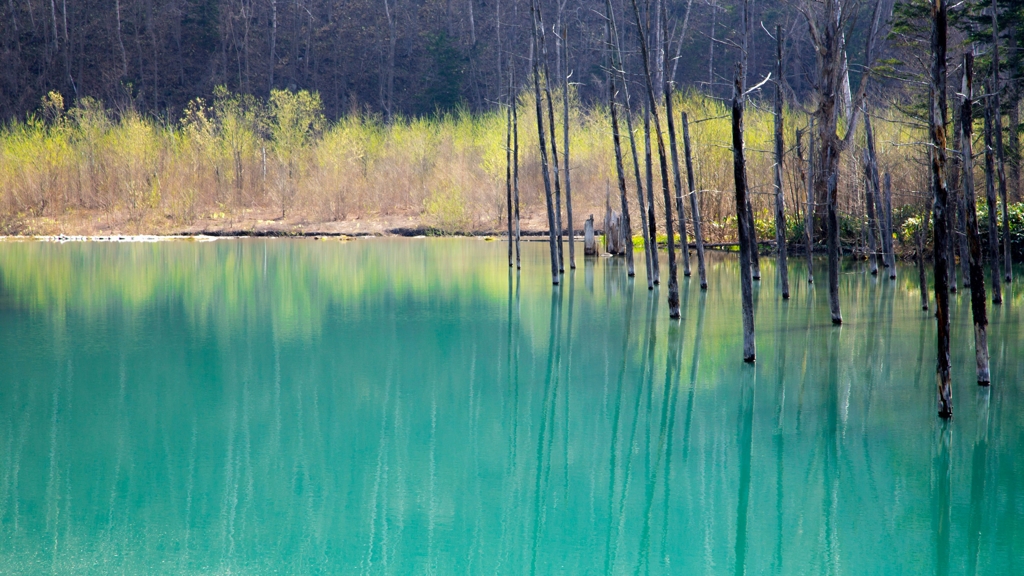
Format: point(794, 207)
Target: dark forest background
point(386, 57)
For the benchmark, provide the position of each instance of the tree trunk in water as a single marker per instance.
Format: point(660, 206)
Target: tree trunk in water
point(543, 146)
point(888, 226)
point(617, 140)
point(997, 120)
point(673, 282)
point(919, 236)
point(617, 68)
point(875, 222)
point(780, 199)
point(869, 201)
point(941, 211)
point(515, 167)
point(832, 239)
point(589, 242)
point(652, 223)
point(755, 257)
point(977, 274)
point(743, 223)
point(554, 142)
point(809, 224)
point(694, 207)
point(990, 197)
point(565, 130)
point(673, 146)
point(508, 178)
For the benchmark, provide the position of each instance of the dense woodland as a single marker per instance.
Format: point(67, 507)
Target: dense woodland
point(389, 57)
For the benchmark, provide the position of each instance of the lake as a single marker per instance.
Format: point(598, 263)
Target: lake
point(409, 406)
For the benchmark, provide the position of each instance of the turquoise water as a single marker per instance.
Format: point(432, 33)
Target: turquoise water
point(407, 406)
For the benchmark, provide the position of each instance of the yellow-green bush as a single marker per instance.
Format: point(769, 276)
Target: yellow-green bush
point(237, 153)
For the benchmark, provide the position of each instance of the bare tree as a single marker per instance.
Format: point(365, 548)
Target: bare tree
point(673, 282)
point(826, 32)
point(937, 129)
point(743, 223)
point(780, 199)
point(617, 142)
point(977, 274)
point(542, 144)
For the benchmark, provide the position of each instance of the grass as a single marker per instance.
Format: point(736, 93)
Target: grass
point(243, 162)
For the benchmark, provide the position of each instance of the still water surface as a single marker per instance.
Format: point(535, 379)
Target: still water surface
point(407, 406)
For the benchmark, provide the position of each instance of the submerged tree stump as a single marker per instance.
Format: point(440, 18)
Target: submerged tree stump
point(613, 240)
point(589, 241)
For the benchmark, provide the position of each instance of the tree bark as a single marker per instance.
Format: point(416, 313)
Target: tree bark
point(977, 274)
point(673, 282)
point(780, 199)
point(543, 145)
point(694, 206)
point(990, 196)
point(941, 228)
point(919, 236)
point(743, 223)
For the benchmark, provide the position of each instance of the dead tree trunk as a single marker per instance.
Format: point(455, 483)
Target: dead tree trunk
point(743, 223)
point(589, 242)
point(515, 169)
point(542, 41)
point(673, 147)
point(694, 206)
point(977, 274)
point(673, 282)
point(652, 223)
point(617, 141)
point(997, 120)
point(508, 175)
point(874, 199)
point(919, 237)
point(990, 197)
point(888, 226)
point(543, 145)
point(809, 224)
point(953, 188)
point(565, 130)
point(937, 128)
point(869, 201)
point(618, 69)
point(780, 199)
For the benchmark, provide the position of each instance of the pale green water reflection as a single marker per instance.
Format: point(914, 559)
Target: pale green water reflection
point(404, 406)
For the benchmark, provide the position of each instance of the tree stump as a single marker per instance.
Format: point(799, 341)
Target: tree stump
point(589, 241)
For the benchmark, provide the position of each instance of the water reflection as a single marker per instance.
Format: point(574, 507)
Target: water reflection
point(416, 406)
